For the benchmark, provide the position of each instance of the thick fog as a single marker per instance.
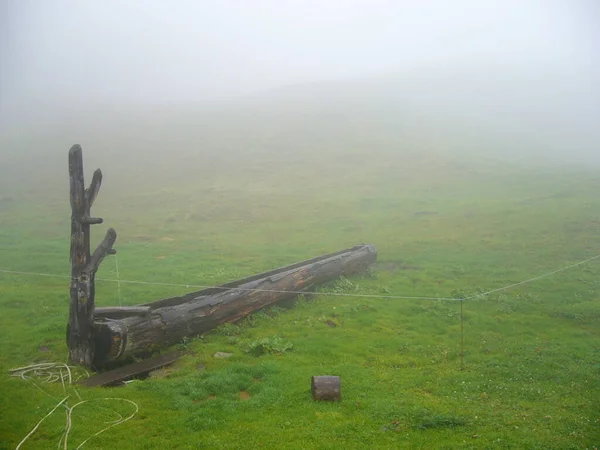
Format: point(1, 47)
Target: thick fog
point(498, 76)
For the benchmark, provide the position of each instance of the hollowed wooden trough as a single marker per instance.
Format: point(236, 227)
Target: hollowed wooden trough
point(144, 328)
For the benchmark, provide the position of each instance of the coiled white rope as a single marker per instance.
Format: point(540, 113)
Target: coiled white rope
point(55, 372)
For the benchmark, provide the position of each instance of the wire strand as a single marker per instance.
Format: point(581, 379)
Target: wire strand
point(200, 286)
point(118, 282)
point(539, 277)
point(335, 294)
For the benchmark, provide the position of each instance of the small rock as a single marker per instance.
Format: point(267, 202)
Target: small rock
point(44, 348)
point(223, 355)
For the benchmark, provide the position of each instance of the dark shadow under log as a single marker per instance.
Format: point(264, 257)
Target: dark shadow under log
point(170, 320)
point(139, 369)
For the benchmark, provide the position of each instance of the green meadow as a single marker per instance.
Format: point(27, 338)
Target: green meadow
point(445, 227)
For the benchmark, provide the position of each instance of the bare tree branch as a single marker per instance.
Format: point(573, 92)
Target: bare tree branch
point(103, 249)
point(92, 192)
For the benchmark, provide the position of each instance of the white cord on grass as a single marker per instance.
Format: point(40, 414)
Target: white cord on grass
point(48, 371)
point(40, 422)
point(114, 424)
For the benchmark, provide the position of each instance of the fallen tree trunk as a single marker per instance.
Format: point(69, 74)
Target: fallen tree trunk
point(167, 321)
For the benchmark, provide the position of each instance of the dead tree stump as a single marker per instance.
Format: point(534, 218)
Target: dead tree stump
point(326, 388)
point(80, 330)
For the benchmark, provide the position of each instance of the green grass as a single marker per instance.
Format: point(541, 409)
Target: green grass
point(531, 375)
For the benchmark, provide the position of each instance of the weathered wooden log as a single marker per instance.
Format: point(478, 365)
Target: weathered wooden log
point(326, 388)
point(80, 330)
point(120, 312)
point(172, 319)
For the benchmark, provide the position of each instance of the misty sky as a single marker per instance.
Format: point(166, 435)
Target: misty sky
point(57, 52)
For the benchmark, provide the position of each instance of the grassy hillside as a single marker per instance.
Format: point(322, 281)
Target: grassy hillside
point(206, 214)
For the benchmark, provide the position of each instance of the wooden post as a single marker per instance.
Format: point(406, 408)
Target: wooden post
point(80, 330)
point(326, 388)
